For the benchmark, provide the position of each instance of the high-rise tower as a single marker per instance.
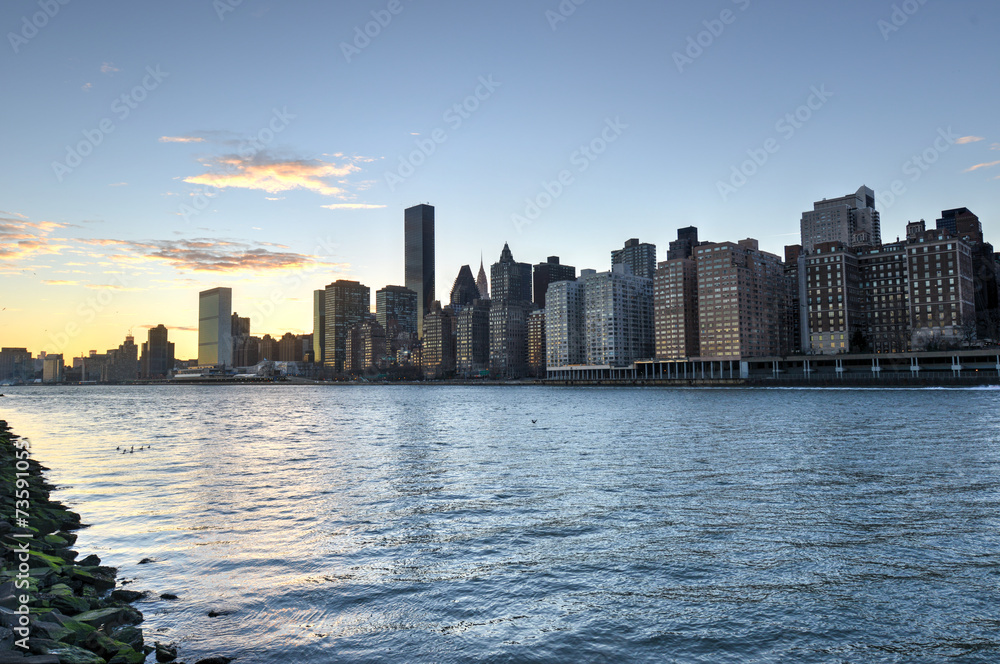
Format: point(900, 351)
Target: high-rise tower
point(418, 224)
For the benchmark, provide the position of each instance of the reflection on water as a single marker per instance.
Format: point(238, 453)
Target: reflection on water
point(442, 524)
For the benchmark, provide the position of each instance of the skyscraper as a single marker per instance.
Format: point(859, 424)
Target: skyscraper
point(639, 256)
point(418, 224)
point(473, 339)
point(565, 338)
point(319, 325)
point(511, 281)
point(347, 304)
point(619, 317)
point(396, 310)
point(675, 309)
point(683, 246)
point(465, 290)
point(744, 299)
point(547, 273)
point(851, 220)
point(481, 283)
point(215, 343)
point(157, 354)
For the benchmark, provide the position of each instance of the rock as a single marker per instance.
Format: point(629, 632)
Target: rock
point(169, 596)
point(68, 654)
point(215, 614)
point(109, 618)
point(165, 653)
point(50, 630)
point(90, 561)
point(146, 561)
point(127, 596)
point(129, 635)
point(13, 658)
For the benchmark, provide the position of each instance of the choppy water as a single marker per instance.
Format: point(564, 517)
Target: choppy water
point(440, 524)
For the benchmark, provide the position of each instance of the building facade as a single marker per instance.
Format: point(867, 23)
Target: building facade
point(157, 359)
point(472, 343)
point(536, 343)
point(215, 341)
point(347, 304)
point(851, 220)
point(639, 256)
point(743, 301)
point(418, 224)
point(675, 309)
point(565, 312)
point(547, 273)
point(619, 317)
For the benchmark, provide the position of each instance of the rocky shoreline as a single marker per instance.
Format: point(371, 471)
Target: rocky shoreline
point(55, 609)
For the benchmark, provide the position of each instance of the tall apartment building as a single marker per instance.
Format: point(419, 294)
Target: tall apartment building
point(851, 220)
point(619, 317)
point(639, 256)
point(347, 304)
point(885, 283)
point(510, 280)
point(472, 342)
point(509, 337)
point(157, 358)
point(396, 310)
point(536, 343)
point(962, 223)
point(675, 309)
point(683, 246)
point(547, 273)
point(418, 224)
point(941, 289)
point(319, 325)
point(215, 341)
point(121, 364)
point(439, 342)
point(743, 301)
point(837, 312)
point(365, 347)
point(565, 309)
point(268, 349)
point(16, 365)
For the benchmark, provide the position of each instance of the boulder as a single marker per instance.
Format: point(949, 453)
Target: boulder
point(109, 618)
point(165, 653)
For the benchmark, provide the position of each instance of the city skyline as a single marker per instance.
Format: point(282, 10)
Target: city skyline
point(203, 170)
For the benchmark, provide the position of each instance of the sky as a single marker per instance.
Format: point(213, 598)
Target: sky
point(149, 151)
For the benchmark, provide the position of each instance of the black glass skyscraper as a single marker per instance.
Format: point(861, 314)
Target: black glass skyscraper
point(419, 270)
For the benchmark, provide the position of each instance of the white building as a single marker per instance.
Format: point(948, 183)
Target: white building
point(619, 317)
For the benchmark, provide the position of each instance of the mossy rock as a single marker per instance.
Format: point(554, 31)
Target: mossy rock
point(109, 618)
point(68, 654)
point(129, 635)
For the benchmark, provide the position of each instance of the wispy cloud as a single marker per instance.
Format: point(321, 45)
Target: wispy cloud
point(181, 139)
point(86, 87)
point(211, 255)
point(979, 166)
point(272, 175)
point(118, 184)
point(995, 146)
point(59, 282)
point(353, 206)
point(20, 239)
point(109, 68)
point(969, 139)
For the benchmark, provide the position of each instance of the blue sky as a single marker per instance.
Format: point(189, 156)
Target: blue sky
point(267, 147)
